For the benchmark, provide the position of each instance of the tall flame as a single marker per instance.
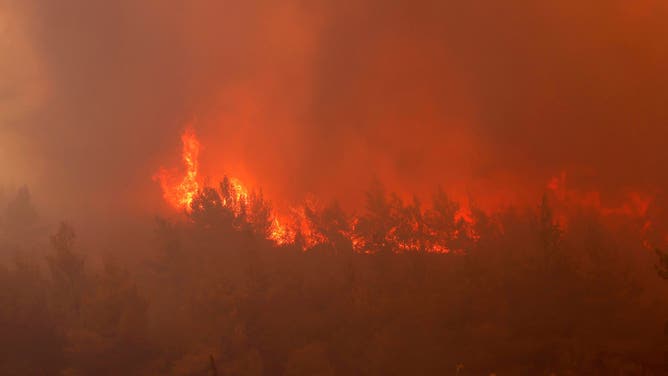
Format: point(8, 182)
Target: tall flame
point(181, 194)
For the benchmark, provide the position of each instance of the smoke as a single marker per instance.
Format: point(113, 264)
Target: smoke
point(322, 97)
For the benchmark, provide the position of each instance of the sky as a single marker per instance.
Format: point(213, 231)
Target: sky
point(321, 97)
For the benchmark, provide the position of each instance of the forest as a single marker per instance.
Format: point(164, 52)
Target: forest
point(465, 188)
point(404, 289)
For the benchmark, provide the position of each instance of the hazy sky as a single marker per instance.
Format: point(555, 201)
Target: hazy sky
point(320, 96)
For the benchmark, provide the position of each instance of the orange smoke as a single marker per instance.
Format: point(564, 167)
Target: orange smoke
point(634, 206)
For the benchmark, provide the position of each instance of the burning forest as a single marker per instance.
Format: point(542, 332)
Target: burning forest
point(333, 188)
point(407, 227)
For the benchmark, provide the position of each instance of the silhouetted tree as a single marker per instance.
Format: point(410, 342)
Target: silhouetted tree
point(378, 224)
point(169, 242)
point(411, 230)
point(440, 219)
point(208, 210)
point(662, 266)
point(67, 271)
point(330, 226)
point(549, 233)
point(32, 339)
point(110, 337)
point(259, 214)
point(226, 192)
point(523, 296)
point(20, 214)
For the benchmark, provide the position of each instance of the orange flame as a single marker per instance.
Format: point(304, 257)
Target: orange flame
point(181, 194)
point(298, 227)
point(279, 233)
point(239, 191)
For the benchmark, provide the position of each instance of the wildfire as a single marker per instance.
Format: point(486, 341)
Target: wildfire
point(239, 190)
point(295, 227)
point(404, 233)
point(279, 233)
point(181, 194)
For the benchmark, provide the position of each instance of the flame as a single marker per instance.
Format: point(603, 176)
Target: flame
point(279, 233)
point(283, 229)
point(181, 194)
point(299, 227)
point(239, 190)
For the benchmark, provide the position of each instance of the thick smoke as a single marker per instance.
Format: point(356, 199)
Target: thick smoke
point(322, 97)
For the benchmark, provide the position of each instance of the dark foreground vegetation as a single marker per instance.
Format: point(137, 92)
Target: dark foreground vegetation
point(516, 295)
